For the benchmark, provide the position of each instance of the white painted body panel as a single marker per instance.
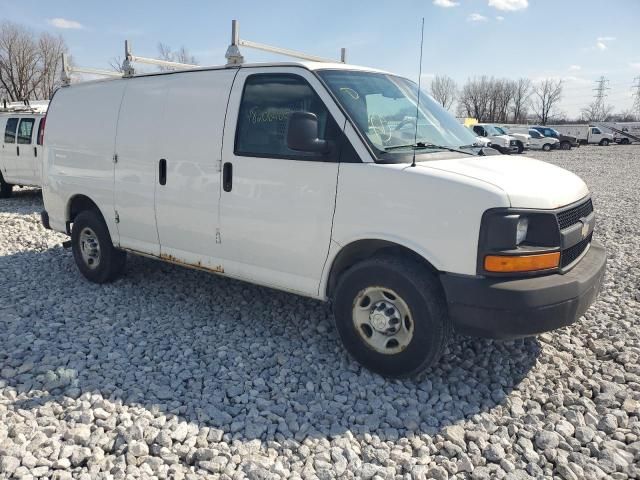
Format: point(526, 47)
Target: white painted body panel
point(25, 168)
point(284, 221)
point(276, 220)
point(584, 133)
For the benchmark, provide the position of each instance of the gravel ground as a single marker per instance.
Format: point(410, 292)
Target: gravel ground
point(175, 373)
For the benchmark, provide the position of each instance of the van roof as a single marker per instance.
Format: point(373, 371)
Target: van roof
point(311, 66)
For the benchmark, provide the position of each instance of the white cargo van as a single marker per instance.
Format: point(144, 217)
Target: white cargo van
point(20, 155)
point(301, 177)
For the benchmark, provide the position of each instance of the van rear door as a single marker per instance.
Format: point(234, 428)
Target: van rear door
point(277, 204)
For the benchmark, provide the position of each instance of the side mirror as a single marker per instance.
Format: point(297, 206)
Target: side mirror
point(302, 133)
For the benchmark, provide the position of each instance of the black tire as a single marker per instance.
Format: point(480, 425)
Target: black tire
point(565, 145)
point(546, 147)
point(421, 292)
point(604, 142)
point(520, 147)
point(111, 261)
point(6, 189)
point(624, 141)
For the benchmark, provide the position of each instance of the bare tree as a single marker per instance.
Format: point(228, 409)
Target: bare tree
point(51, 50)
point(596, 112)
point(116, 64)
point(547, 94)
point(29, 64)
point(474, 98)
point(179, 56)
point(444, 90)
point(521, 99)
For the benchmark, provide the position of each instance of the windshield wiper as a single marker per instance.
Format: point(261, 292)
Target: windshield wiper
point(424, 146)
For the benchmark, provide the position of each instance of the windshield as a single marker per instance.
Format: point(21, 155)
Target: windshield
point(535, 134)
point(493, 130)
point(383, 107)
point(502, 131)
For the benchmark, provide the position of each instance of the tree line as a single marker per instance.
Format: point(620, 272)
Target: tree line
point(501, 100)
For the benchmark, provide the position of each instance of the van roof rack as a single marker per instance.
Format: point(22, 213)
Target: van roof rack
point(24, 106)
point(233, 56)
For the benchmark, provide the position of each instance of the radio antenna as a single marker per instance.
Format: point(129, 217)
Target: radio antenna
point(415, 134)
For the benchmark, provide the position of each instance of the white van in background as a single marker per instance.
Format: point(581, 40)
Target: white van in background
point(498, 138)
point(291, 175)
point(20, 151)
point(586, 134)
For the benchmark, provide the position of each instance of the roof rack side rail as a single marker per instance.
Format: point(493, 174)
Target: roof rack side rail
point(68, 70)
point(130, 58)
point(234, 56)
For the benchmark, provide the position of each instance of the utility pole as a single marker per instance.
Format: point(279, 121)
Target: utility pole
point(599, 96)
point(636, 95)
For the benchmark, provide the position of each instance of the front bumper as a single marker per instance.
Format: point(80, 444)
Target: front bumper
point(521, 307)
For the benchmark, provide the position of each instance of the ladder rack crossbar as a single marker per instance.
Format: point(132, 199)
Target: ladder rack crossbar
point(283, 51)
point(161, 63)
point(94, 71)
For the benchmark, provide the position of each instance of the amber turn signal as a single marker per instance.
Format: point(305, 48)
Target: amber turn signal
point(521, 263)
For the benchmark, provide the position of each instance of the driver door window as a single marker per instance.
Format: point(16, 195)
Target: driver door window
point(267, 103)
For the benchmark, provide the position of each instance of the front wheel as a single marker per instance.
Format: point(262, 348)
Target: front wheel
point(546, 147)
point(604, 142)
point(391, 315)
point(6, 189)
point(565, 146)
point(96, 257)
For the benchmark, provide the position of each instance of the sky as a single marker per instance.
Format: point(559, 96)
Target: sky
point(575, 40)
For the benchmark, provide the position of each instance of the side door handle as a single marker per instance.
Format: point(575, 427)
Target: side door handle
point(35, 151)
point(227, 177)
point(162, 173)
point(17, 150)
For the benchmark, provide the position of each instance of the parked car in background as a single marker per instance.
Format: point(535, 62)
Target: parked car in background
point(21, 151)
point(485, 142)
point(586, 134)
point(523, 137)
point(499, 140)
point(566, 141)
point(540, 142)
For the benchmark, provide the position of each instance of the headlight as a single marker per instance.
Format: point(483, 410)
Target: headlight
point(521, 230)
point(513, 241)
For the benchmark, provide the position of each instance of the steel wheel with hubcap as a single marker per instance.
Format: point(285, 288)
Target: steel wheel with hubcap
point(391, 315)
point(546, 147)
point(96, 257)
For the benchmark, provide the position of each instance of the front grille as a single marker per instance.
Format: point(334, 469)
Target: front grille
point(573, 215)
point(569, 255)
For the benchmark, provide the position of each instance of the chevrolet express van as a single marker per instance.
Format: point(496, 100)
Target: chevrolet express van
point(20, 151)
point(301, 177)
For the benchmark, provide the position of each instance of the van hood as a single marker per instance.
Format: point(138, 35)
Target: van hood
point(528, 183)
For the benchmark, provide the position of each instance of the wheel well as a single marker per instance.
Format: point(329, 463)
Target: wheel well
point(363, 249)
point(80, 203)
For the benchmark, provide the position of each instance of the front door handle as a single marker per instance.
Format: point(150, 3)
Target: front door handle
point(18, 150)
point(35, 151)
point(162, 171)
point(227, 177)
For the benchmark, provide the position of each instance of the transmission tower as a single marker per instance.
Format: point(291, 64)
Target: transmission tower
point(636, 96)
point(599, 96)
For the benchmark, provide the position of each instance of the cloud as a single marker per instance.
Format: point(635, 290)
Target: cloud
point(606, 39)
point(602, 43)
point(635, 65)
point(65, 23)
point(499, 18)
point(476, 17)
point(601, 46)
point(445, 3)
point(509, 5)
point(574, 68)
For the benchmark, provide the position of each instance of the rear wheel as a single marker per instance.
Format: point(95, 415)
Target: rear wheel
point(546, 147)
point(96, 257)
point(6, 189)
point(391, 315)
point(565, 145)
point(604, 142)
point(624, 141)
